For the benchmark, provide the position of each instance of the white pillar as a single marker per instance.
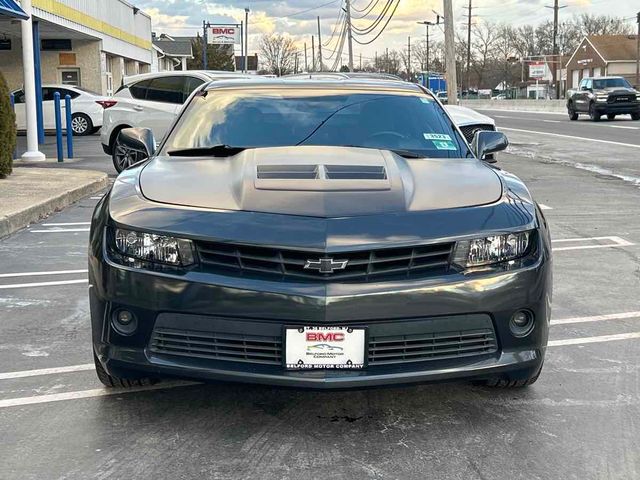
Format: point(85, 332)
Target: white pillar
point(184, 64)
point(32, 153)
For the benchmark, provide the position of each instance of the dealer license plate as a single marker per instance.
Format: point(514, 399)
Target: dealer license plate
point(324, 348)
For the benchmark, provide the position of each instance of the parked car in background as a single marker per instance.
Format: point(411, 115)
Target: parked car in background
point(470, 122)
point(501, 96)
point(87, 108)
point(150, 100)
point(608, 96)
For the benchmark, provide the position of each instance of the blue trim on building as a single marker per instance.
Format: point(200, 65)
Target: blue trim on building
point(9, 8)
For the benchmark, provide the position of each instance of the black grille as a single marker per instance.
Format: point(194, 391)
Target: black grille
point(470, 130)
point(361, 265)
point(621, 98)
point(430, 346)
point(218, 346)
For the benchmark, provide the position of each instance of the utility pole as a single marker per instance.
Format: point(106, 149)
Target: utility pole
point(360, 61)
point(469, 52)
point(427, 25)
point(638, 55)
point(375, 62)
point(554, 62)
point(204, 45)
point(321, 68)
point(246, 40)
point(313, 54)
point(450, 52)
point(409, 59)
point(244, 67)
point(386, 62)
point(349, 33)
point(306, 66)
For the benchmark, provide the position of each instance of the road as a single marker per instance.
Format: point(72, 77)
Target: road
point(581, 420)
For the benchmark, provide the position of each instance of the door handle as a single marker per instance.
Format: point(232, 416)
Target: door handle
point(138, 108)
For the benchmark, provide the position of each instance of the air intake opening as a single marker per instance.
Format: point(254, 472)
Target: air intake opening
point(288, 172)
point(355, 172)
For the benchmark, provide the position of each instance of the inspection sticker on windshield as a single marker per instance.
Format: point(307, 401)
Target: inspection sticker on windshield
point(437, 136)
point(324, 348)
point(441, 141)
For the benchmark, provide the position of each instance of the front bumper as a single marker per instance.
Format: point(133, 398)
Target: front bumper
point(621, 108)
point(206, 304)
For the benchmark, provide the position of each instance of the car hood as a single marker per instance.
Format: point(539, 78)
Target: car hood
point(319, 181)
point(465, 116)
point(619, 90)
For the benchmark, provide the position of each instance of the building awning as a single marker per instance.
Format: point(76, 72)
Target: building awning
point(9, 8)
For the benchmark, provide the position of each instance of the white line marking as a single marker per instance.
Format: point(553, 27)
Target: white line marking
point(594, 318)
point(617, 242)
point(61, 230)
point(532, 112)
point(47, 371)
point(70, 224)
point(620, 126)
point(97, 392)
point(37, 274)
point(42, 284)
point(544, 207)
point(552, 121)
point(601, 338)
point(95, 198)
point(572, 137)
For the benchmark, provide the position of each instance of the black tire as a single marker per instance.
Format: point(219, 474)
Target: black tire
point(635, 116)
point(502, 383)
point(124, 157)
point(110, 381)
point(81, 124)
point(573, 115)
point(611, 116)
point(593, 113)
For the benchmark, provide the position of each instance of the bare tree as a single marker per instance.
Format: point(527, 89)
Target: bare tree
point(278, 54)
point(483, 41)
point(602, 25)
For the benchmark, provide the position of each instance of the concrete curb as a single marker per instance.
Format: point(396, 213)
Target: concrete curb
point(533, 106)
point(14, 222)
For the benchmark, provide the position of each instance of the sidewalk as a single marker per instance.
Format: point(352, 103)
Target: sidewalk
point(31, 193)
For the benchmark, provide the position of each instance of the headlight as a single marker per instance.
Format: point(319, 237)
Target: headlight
point(493, 249)
point(149, 247)
point(602, 98)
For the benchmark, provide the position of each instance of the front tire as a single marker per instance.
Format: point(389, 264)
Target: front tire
point(110, 381)
point(81, 124)
point(573, 115)
point(611, 116)
point(635, 116)
point(593, 113)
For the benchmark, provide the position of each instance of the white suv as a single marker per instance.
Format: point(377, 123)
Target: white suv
point(150, 100)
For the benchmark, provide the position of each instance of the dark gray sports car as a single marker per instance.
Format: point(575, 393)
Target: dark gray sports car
point(323, 234)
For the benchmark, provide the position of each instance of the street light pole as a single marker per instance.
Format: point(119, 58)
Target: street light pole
point(427, 25)
point(349, 34)
point(319, 47)
point(450, 51)
point(246, 39)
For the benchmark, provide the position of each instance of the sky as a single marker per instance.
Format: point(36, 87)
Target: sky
point(297, 18)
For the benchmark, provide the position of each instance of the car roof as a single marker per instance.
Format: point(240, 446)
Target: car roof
point(610, 77)
point(346, 83)
point(343, 75)
point(204, 74)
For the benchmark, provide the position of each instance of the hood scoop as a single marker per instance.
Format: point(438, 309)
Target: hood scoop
point(288, 172)
point(355, 172)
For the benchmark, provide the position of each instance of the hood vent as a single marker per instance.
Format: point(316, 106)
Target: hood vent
point(288, 172)
point(355, 172)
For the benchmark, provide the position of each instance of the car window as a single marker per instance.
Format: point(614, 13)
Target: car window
point(589, 83)
point(583, 84)
point(169, 89)
point(47, 94)
point(190, 85)
point(611, 83)
point(278, 117)
point(64, 92)
point(139, 90)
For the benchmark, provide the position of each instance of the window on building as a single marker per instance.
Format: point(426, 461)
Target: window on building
point(56, 44)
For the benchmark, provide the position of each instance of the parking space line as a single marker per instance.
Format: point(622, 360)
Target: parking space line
point(42, 284)
point(47, 371)
point(96, 392)
point(544, 207)
point(598, 339)
point(616, 242)
point(620, 126)
point(572, 137)
point(95, 198)
point(60, 230)
point(70, 224)
point(595, 318)
point(38, 274)
point(551, 121)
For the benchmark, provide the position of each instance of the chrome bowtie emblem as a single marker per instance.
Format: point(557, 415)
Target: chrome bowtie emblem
point(326, 265)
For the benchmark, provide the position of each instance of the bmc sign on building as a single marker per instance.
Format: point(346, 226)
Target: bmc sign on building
point(224, 35)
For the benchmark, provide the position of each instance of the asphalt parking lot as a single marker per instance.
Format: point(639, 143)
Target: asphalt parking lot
point(581, 420)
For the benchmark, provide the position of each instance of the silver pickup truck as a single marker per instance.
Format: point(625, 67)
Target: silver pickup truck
point(608, 96)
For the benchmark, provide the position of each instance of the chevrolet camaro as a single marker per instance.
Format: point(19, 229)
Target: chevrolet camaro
point(277, 215)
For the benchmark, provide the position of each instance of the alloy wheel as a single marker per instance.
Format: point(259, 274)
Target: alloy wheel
point(79, 125)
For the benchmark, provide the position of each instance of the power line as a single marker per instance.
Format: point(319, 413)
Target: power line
point(269, 19)
point(368, 42)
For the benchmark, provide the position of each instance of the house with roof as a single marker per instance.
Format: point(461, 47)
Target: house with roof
point(603, 55)
point(171, 52)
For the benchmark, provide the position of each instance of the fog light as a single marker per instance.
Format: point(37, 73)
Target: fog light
point(521, 323)
point(124, 322)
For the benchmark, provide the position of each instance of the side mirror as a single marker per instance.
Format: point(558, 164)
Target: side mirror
point(486, 142)
point(138, 142)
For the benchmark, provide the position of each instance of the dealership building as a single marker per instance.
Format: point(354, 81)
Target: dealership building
point(87, 43)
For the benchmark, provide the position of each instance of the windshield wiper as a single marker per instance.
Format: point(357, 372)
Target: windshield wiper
point(214, 151)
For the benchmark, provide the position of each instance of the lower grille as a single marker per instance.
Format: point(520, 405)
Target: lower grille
point(470, 130)
point(218, 346)
point(432, 346)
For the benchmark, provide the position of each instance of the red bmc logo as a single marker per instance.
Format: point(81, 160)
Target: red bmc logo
point(324, 337)
point(224, 31)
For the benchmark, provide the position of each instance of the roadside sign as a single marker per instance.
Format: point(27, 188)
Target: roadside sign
point(224, 35)
point(537, 70)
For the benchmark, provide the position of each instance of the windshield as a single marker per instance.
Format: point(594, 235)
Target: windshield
point(411, 122)
point(610, 83)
